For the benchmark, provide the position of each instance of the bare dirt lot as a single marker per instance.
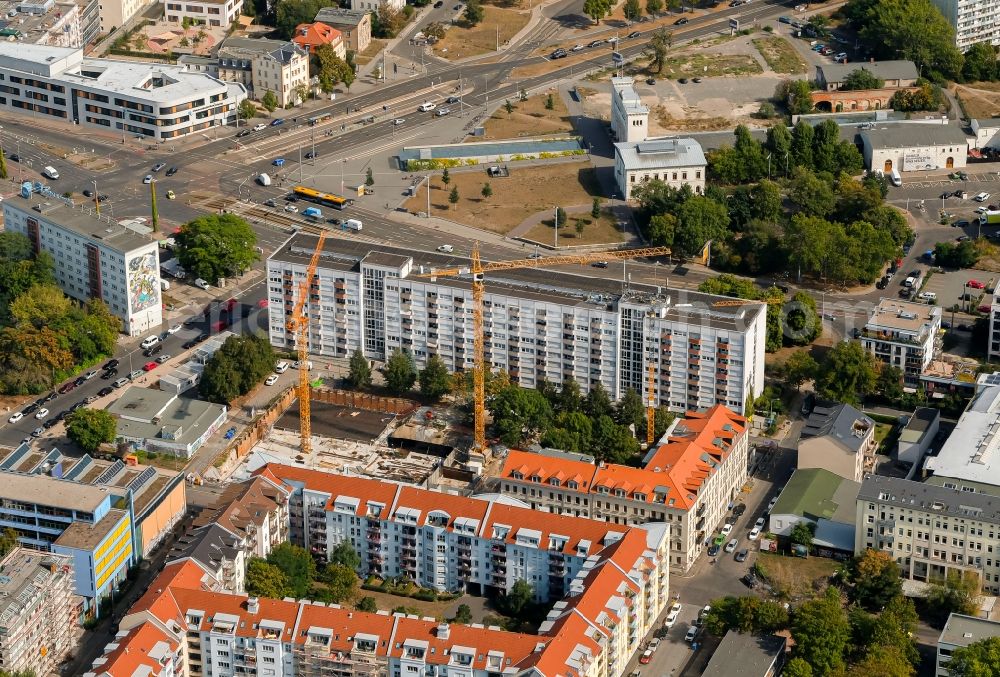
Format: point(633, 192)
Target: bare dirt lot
point(980, 99)
point(526, 191)
point(604, 230)
point(460, 41)
point(780, 55)
point(529, 118)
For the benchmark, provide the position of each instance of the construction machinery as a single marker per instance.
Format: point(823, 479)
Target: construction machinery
point(477, 269)
point(298, 325)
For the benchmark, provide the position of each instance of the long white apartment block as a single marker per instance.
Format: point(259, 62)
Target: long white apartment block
point(150, 100)
point(973, 20)
point(541, 324)
point(94, 257)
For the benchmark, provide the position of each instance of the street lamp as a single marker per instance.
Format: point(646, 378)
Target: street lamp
point(97, 198)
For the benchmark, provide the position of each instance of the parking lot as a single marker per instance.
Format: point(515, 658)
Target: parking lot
point(951, 288)
point(985, 174)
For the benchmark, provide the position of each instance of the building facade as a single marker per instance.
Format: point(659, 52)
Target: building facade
point(354, 25)
point(993, 341)
point(973, 20)
point(840, 439)
point(265, 66)
point(931, 531)
point(629, 115)
point(688, 480)
point(120, 267)
point(116, 13)
point(894, 74)
point(373, 5)
point(541, 324)
point(203, 12)
point(90, 20)
point(151, 100)
point(909, 147)
point(987, 133)
point(38, 611)
point(904, 335)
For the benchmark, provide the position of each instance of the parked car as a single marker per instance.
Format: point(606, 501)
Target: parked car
point(646, 656)
point(630, 36)
point(731, 545)
point(713, 550)
point(975, 284)
point(104, 392)
point(271, 380)
point(726, 529)
point(158, 166)
point(683, 20)
point(755, 533)
point(41, 413)
point(691, 634)
point(231, 433)
point(147, 179)
point(15, 417)
point(277, 121)
point(749, 580)
point(149, 366)
point(162, 358)
point(260, 126)
point(173, 170)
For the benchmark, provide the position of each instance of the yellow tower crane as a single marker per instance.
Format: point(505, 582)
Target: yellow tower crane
point(478, 269)
point(298, 325)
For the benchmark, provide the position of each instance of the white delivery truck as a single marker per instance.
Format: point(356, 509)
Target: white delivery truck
point(896, 179)
point(264, 180)
point(352, 224)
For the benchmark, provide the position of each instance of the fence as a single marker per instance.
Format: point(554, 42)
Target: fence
point(346, 398)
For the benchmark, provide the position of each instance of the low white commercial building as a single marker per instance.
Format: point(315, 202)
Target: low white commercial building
point(161, 422)
point(970, 458)
point(913, 147)
point(203, 12)
point(94, 258)
point(973, 20)
point(917, 435)
point(152, 100)
point(987, 133)
point(959, 632)
point(823, 499)
point(904, 335)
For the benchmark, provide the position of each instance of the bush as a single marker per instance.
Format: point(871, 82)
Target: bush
point(425, 595)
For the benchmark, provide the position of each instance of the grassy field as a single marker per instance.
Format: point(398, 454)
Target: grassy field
point(604, 230)
point(980, 99)
point(710, 65)
point(529, 118)
point(371, 52)
point(460, 42)
point(780, 55)
point(526, 191)
point(795, 577)
point(692, 123)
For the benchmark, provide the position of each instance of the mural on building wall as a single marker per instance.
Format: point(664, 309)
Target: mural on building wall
point(143, 285)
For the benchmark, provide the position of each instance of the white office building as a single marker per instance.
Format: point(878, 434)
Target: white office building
point(638, 158)
point(970, 458)
point(973, 20)
point(541, 324)
point(203, 12)
point(904, 335)
point(94, 258)
point(152, 100)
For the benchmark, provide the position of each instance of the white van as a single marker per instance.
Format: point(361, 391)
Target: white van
point(201, 284)
point(281, 367)
point(352, 224)
point(149, 341)
point(264, 180)
point(50, 172)
point(427, 106)
point(896, 178)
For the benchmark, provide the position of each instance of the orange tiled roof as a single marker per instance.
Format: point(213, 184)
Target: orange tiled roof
point(315, 34)
point(673, 475)
point(131, 657)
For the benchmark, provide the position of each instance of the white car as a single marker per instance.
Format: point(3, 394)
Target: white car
point(759, 524)
point(149, 342)
point(927, 296)
point(427, 106)
point(446, 248)
point(653, 644)
point(174, 329)
point(259, 127)
point(731, 545)
point(291, 208)
point(770, 505)
point(202, 284)
point(41, 413)
point(676, 606)
point(398, 121)
point(755, 533)
point(271, 380)
point(15, 417)
point(577, 48)
point(281, 367)
point(726, 529)
point(147, 179)
point(441, 112)
point(671, 619)
point(982, 197)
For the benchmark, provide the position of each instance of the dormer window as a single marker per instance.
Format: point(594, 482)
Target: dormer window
point(572, 485)
point(536, 478)
point(554, 482)
point(517, 475)
point(620, 493)
point(639, 497)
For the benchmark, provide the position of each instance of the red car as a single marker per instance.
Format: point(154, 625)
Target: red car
point(975, 284)
point(647, 656)
point(67, 387)
point(149, 366)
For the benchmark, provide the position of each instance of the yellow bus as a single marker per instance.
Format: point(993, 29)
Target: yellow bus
point(327, 199)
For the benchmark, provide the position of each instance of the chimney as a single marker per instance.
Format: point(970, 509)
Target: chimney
point(253, 605)
point(443, 630)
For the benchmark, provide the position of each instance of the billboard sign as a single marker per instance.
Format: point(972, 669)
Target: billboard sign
point(917, 161)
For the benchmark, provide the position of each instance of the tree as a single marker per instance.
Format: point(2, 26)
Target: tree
point(446, 176)
point(884, 661)
point(659, 44)
point(463, 614)
point(799, 368)
point(810, 194)
point(269, 101)
point(750, 154)
point(8, 541)
point(745, 614)
point(596, 9)
point(847, 371)
point(345, 554)
point(826, 136)
point(508, 106)
point(3, 165)
point(518, 598)
point(598, 402)
point(330, 68)
point(387, 20)
point(631, 411)
point(802, 533)
point(875, 578)
point(359, 374)
point(699, 220)
point(570, 396)
point(797, 667)
point(861, 78)
point(453, 195)
point(595, 208)
point(613, 442)
point(90, 428)
point(980, 65)
point(487, 191)
point(400, 372)
point(979, 659)
point(654, 7)
point(20, 268)
point(796, 95)
point(802, 144)
point(265, 580)
point(30, 358)
point(890, 382)
point(519, 414)
point(632, 10)
point(435, 379)
point(550, 102)
point(960, 255)
point(367, 604)
point(957, 593)
point(821, 633)
point(247, 110)
point(341, 582)
point(236, 368)
point(580, 227)
point(297, 565)
point(474, 12)
point(216, 246)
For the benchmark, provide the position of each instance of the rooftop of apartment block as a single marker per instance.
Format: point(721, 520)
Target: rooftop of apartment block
point(22, 573)
point(972, 451)
point(962, 630)
point(943, 501)
point(88, 535)
point(120, 238)
point(903, 316)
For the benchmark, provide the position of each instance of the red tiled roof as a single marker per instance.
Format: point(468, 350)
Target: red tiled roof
point(133, 650)
point(315, 34)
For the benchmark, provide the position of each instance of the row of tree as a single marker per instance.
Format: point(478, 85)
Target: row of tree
point(847, 373)
point(401, 374)
point(240, 365)
point(290, 571)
